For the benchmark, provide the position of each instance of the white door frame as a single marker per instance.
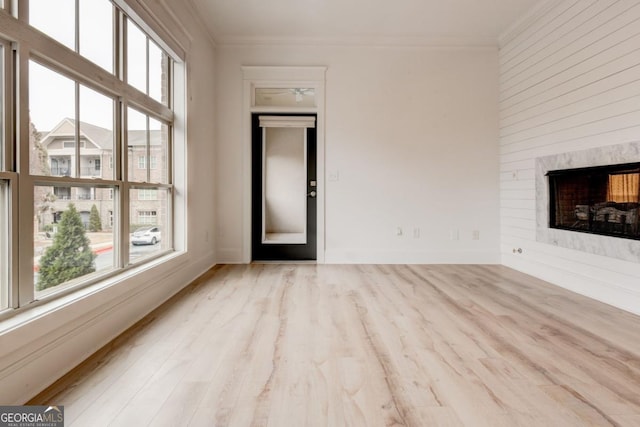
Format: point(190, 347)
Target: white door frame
point(282, 77)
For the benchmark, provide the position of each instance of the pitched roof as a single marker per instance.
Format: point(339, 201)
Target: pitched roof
point(100, 136)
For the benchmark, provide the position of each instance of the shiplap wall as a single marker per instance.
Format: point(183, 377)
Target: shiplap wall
point(569, 81)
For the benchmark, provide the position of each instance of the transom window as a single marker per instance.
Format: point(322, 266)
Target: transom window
point(86, 217)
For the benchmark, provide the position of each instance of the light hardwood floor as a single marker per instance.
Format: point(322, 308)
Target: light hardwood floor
point(307, 345)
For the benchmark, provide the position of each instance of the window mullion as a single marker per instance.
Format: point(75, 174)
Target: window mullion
point(77, 26)
point(8, 153)
point(122, 218)
point(77, 131)
point(10, 264)
point(122, 47)
point(148, 153)
point(147, 65)
point(20, 10)
point(25, 187)
point(118, 35)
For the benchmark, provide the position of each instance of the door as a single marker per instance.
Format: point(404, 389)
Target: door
point(284, 187)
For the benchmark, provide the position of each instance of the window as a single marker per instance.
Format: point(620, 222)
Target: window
point(89, 32)
point(71, 241)
point(148, 138)
point(149, 206)
point(62, 28)
point(147, 64)
point(77, 115)
point(60, 193)
point(147, 194)
point(147, 217)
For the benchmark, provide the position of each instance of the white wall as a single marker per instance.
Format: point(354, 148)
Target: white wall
point(569, 81)
point(41, 344)
point(411, 133)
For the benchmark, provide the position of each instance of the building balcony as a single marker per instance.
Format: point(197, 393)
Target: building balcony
point(90, 171)
point(60, 171)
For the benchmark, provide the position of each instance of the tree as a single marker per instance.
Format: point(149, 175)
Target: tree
point(43, 197)
point(69, 256)
point(95, 224)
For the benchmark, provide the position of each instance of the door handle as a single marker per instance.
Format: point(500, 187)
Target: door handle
point(312, 194)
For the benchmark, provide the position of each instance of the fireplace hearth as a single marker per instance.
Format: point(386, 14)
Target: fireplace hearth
point(598, 200)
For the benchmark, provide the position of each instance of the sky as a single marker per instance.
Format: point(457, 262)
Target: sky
point(52, 96)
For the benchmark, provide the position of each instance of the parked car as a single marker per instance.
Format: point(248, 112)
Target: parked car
point(146, 236)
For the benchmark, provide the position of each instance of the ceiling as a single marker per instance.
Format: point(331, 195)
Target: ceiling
point(458, 22)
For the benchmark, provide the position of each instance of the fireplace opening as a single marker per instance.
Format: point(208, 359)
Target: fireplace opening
point(601, 200)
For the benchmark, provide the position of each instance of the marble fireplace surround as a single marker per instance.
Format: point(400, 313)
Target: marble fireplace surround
point(614, 247)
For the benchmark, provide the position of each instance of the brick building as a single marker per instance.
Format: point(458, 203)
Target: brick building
point(146, 152)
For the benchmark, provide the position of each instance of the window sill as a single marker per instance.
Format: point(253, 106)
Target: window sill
point(14, 318)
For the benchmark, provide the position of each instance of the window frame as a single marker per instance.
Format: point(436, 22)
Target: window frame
point(25, 43)
point(8, 179)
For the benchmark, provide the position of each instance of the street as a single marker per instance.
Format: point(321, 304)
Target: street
point(104, 260)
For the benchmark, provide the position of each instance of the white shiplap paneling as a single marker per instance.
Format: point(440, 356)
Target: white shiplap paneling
point(569, 81)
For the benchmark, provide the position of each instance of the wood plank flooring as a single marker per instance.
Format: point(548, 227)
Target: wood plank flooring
point(307, 345)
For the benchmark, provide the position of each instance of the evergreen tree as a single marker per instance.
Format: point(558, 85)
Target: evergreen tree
point(95, 224)
point(69, 256)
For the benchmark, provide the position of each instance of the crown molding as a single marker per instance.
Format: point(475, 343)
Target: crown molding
point(360, 41)
point(196, 13)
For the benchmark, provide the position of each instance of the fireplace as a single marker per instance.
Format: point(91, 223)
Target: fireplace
point(598, 200)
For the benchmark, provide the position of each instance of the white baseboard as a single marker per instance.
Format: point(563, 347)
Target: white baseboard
point(229, 256)
point(606, 292)
point(364, 256)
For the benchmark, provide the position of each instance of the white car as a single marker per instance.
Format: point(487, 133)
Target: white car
point(146, 236)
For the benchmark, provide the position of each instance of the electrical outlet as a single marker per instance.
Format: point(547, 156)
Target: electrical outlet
point(475, 235)
point(416, 233)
